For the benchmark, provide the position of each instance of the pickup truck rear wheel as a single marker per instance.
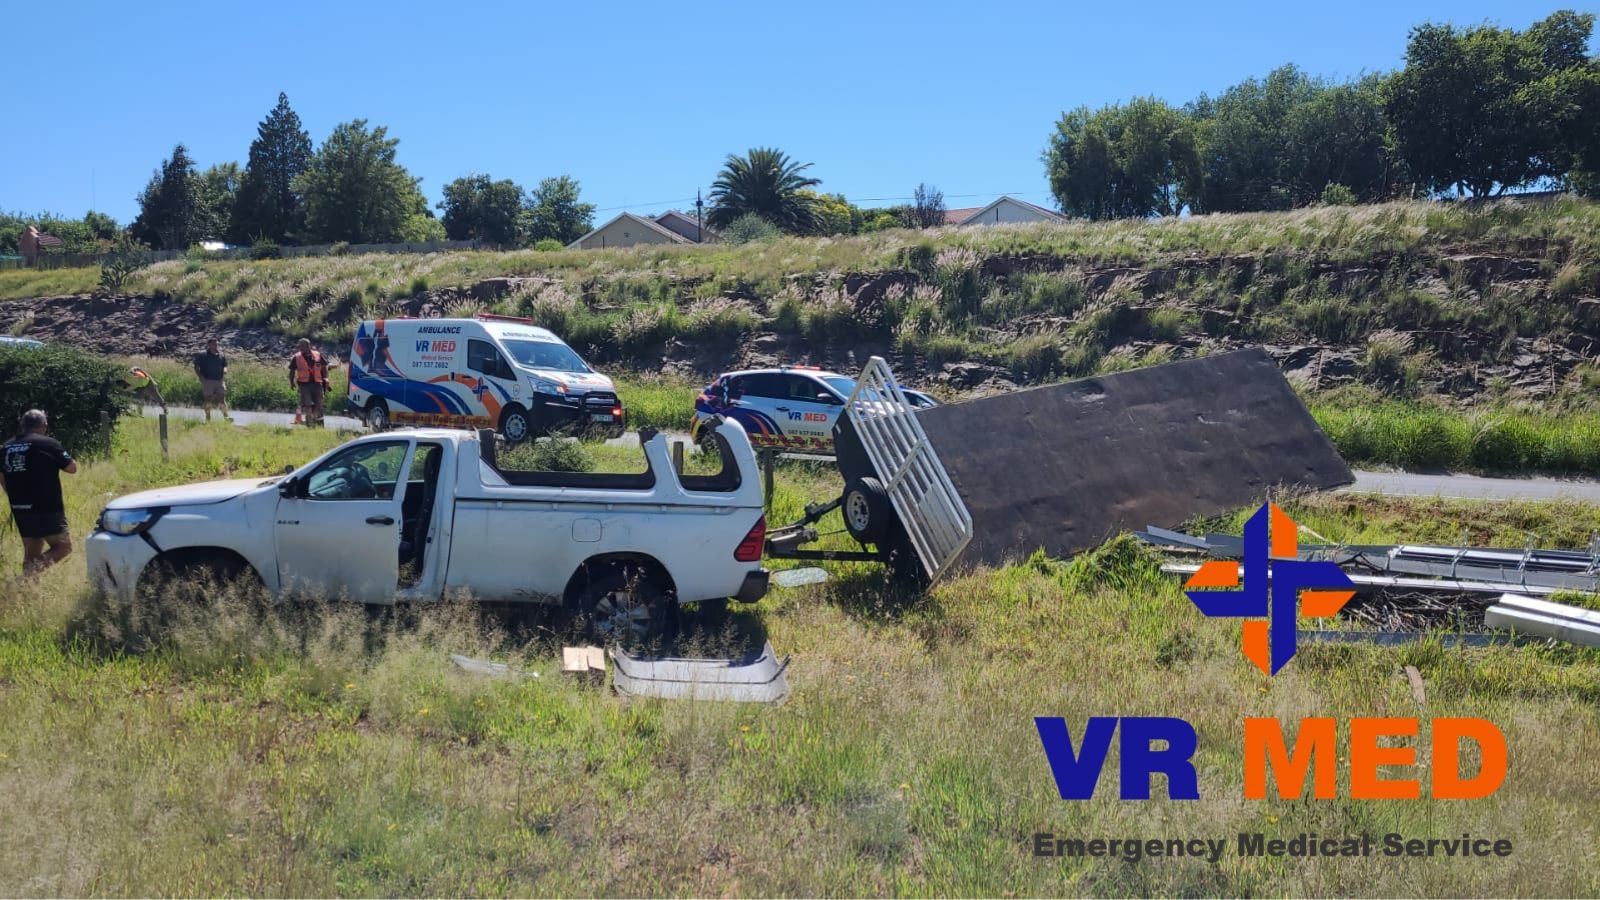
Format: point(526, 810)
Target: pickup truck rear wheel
point(866, 509)
point(625, 606)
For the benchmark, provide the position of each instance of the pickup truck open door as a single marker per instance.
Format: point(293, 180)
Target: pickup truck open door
point(337, 526)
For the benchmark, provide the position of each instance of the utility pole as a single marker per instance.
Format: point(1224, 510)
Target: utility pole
point(699, 206)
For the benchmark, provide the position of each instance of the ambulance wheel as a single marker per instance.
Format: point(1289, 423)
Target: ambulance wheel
point(867, 511)
point(377, 415)
point(516, 425)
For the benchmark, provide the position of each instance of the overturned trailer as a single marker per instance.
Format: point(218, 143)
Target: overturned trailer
point(1061, 467)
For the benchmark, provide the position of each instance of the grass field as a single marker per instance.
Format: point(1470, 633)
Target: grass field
point(324, 751)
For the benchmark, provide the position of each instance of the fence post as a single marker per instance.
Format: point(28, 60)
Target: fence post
point(163, 421)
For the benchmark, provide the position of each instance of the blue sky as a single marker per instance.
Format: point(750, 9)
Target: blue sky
point(642, 102)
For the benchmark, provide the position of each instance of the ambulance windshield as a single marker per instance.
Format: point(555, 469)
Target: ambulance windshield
point(550, 355)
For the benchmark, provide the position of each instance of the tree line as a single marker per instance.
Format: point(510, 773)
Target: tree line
point(351, 189)
point(1478, 110)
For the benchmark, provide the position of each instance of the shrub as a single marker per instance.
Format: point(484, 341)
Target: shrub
point(72, 386)
point(720, 321)
point(790, 311)
point(1386, 354)
point(641, 330)
point(1035, 358)
point(1168, 324)
point(1336, 194)
point(1506, 443)
point(128, 257)
point(545, 245)
point(419, 285)
point(1064, 294)
point(831, 319)
point(749, 227)
point(546, 455)
point(266, 248)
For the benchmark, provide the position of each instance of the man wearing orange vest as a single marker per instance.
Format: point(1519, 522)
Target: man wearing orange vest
point(308, 373)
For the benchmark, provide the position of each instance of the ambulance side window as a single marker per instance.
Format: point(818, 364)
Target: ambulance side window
point(484, 358)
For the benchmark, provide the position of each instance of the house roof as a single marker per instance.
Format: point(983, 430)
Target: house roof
point(688, 220)
point(668, 233)
point(1048, 213)
point(957, 216)
point(49, 240)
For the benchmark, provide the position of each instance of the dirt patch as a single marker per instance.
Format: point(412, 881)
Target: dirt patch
point(139, 326)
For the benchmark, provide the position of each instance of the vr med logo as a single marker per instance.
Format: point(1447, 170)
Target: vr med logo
point(1276, 587)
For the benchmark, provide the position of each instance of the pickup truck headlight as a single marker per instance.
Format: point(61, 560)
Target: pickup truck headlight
point(129, 521)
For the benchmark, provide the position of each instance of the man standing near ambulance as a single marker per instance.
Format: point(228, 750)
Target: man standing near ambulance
point(308, 373)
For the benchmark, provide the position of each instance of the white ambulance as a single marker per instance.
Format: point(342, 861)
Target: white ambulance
point(494, 372)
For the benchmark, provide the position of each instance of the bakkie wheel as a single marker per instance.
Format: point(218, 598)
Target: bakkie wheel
point(866, 509)
point(626, 607)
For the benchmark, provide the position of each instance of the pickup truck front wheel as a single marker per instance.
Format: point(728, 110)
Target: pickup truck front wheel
point(626, 607)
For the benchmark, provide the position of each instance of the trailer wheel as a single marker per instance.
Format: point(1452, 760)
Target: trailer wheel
point(866, 509)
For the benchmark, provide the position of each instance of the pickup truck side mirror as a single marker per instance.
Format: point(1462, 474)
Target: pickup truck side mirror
point(289, 488)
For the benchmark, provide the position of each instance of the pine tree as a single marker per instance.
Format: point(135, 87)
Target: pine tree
point(268, 205)
point(169, 216)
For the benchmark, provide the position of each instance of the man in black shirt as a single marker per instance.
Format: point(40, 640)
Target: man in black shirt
point(30, 471)
point(211, 366)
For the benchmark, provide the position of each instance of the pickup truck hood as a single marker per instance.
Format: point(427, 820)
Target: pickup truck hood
point(190, 494)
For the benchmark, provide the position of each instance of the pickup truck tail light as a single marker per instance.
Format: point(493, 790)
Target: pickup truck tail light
point(749, 549)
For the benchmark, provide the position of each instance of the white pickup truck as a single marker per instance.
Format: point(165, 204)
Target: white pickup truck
point(413, 514)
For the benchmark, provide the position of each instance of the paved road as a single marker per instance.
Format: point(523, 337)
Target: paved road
point(1394, 484)
point(248, 417)
point(1474, 487)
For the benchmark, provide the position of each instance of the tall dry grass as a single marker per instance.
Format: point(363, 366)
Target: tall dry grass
point(319, 749)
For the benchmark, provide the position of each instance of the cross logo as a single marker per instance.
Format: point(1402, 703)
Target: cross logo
point(1278, 587)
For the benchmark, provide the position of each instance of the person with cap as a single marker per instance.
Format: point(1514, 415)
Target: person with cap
point(308, 373)
point(211, 367)
point(30, 471)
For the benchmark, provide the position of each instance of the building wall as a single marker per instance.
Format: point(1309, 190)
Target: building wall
point(624, 233)
point(1009, 211)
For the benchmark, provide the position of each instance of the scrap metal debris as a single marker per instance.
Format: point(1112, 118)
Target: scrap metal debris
point(756, 677)
point(1415, 567)
point(486, 667)
point(1529, 615)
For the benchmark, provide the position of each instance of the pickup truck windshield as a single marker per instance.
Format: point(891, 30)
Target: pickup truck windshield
point(546, 355)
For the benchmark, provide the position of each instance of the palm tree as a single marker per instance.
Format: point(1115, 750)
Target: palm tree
point(768, 183)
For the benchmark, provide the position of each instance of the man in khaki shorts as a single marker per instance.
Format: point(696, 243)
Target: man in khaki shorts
point(30, 471)
point(308, 373)
point(212, 368)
